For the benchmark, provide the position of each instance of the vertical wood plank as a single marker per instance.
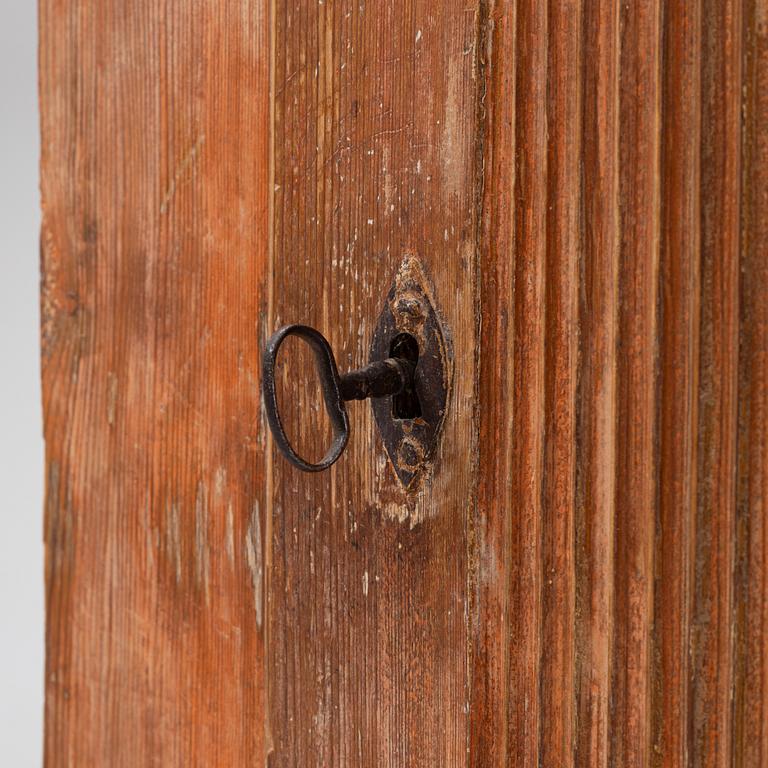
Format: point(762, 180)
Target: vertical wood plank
point(491, 614)
point(563, 240)
point(750, 746)
point(597, 407)
point(528, 394)
point(636, 460)
point(154, 136)
point(375, 158)
point(678, 381)
point(712, 671)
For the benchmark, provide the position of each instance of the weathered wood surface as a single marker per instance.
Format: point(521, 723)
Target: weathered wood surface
point(582, 579)
point(155, 124)
point(375, 139)
point(621, 611)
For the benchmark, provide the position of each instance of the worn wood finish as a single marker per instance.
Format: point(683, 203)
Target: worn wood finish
point(564, 95)
point(597, 380)
point(750, 710)
point(374, 159)
point(581, 580)
point(661, 572)
point(712, 631)
point(154, 181)
point(491, 529)
point(639, 98)
point(678, 356)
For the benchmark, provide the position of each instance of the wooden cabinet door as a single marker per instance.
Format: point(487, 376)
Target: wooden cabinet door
point(579, 579)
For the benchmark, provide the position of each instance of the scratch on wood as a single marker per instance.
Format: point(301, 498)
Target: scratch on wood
point(451, 144)
point(255, 564)
point(173, 539)
point(201, 537)
point(181, 169)
point(111, 397)
point(230, 536)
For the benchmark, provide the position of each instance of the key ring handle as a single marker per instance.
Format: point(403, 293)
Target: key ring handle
point(330, 382)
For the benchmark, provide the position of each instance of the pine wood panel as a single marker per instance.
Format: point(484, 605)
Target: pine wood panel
point(597, 382)
point(582, 578)
point(678, 360)
point(374, 159)
point(155, 123)
point(639, 97)
point(750, 711)
point(657, 545)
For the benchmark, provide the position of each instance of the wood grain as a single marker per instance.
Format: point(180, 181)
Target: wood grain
point(677, 388)
point(596, 396)
point(524, 548)
point(374, 155)
point(580, 580)
point(712, 641)
point(154, 174)
point(750, 706)
point(492, 521)
point(646, 552)
point(636, 381)
point(563, 243)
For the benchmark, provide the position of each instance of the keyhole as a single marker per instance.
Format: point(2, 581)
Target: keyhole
point(405, 405)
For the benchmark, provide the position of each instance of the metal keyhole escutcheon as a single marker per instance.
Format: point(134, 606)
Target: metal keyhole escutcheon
point(407, 380)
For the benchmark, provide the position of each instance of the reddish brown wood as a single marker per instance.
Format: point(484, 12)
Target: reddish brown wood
point(712, 641)
point(581, 578)
point(563, 244)
point(596, 436)
point(639, 99)
point(374, 158)
point(526, 345)
point(641, 561)
point(154, 181)
point(491, 526)
point(750, 710)
point(678, 344)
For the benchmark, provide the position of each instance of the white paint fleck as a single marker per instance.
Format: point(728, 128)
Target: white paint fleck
point(365, 583)
point(418, 35)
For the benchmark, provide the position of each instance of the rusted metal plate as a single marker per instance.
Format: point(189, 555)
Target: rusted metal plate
point(409, 327)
